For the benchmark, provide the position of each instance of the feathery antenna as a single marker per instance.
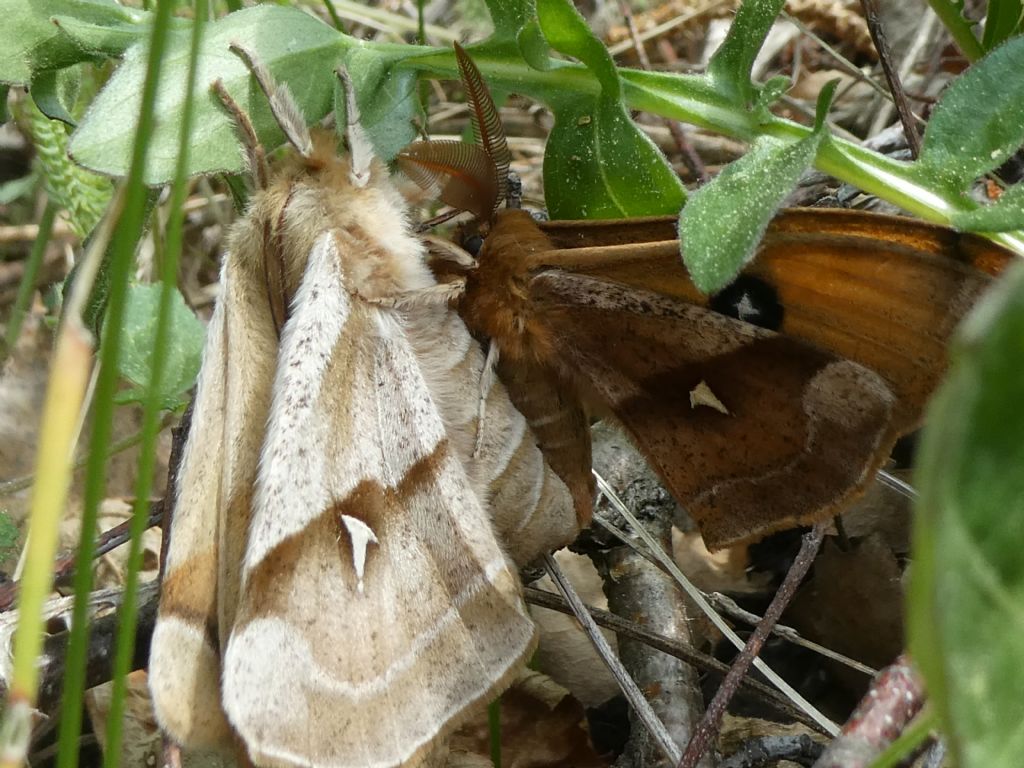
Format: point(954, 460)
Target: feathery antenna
point(282, 103)
point(469, 177)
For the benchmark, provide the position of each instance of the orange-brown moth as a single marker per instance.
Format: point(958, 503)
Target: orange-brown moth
point(340, 586)
point(767, 405)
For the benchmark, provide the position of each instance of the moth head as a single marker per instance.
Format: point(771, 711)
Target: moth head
point(468, 177)
point(314, 155)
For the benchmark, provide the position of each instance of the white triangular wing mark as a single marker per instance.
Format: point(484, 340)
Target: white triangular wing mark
point(702, 395)
point(746, 309)
point(362, 536)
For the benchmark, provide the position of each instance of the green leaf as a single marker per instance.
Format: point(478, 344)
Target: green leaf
point(1002, 22)
point(598, 163)
point(771, 92)
point(509, 16)
point(731, 65)
point(953, 17)
point(1004, 215)
point(182, 355)
point(30, 43)
point(387, 97)
point(567, 32)
point(110, 38)
point(533, 47)
point(299, 50)
point(56, 91)
point(720, 227)
point(979, 122)
point(4, 114)
point(966, 610)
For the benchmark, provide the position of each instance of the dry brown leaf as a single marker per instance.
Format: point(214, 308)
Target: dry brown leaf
point(542, 726)
point(853, 604)
point(565, 652)
point(141, 740)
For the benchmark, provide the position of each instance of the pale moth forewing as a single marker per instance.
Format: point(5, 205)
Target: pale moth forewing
point(333, 583)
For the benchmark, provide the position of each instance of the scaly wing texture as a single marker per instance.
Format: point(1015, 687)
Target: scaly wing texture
point(356, 463)
point(216, 477)
point(803, 427)
point(884, 291)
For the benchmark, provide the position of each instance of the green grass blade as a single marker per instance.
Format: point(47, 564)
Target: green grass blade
point(151, 423)
point(120, 258)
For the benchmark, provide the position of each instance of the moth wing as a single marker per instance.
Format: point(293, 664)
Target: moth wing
point(729, 414)
point(217, 472)
point(376, 605)
point(884, 291)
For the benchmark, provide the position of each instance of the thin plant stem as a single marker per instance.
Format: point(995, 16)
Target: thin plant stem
point(152, 406)
point(629, 688)
point(65, 393)
point(951, 15)
point(708, 728)
point(120, 257)
point(335, 18)
point(28, 279)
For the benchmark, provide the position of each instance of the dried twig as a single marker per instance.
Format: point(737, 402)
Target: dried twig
point(100, 649)
point(697, 596)
point(892, 701)
point(906, 115)
point(728, 606)
point(629, 688)
point(638, 588)
point(769, 750)
point(712, 718)
point(625, 628)
point(102, 639)
point(65, 565)
point(179, 435)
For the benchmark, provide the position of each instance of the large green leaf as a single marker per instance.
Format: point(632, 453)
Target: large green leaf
point(979, 123)
point(299, 50)
point(723, 222)
point(967, 594)
point(598, 163)
point(182, 353)
point(30, 42)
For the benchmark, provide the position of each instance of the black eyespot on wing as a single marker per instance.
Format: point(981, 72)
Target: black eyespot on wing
point(751, 300)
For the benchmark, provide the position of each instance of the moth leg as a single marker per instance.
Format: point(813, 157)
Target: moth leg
point(486, 382)
point(442, 293)
point(440, 249)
